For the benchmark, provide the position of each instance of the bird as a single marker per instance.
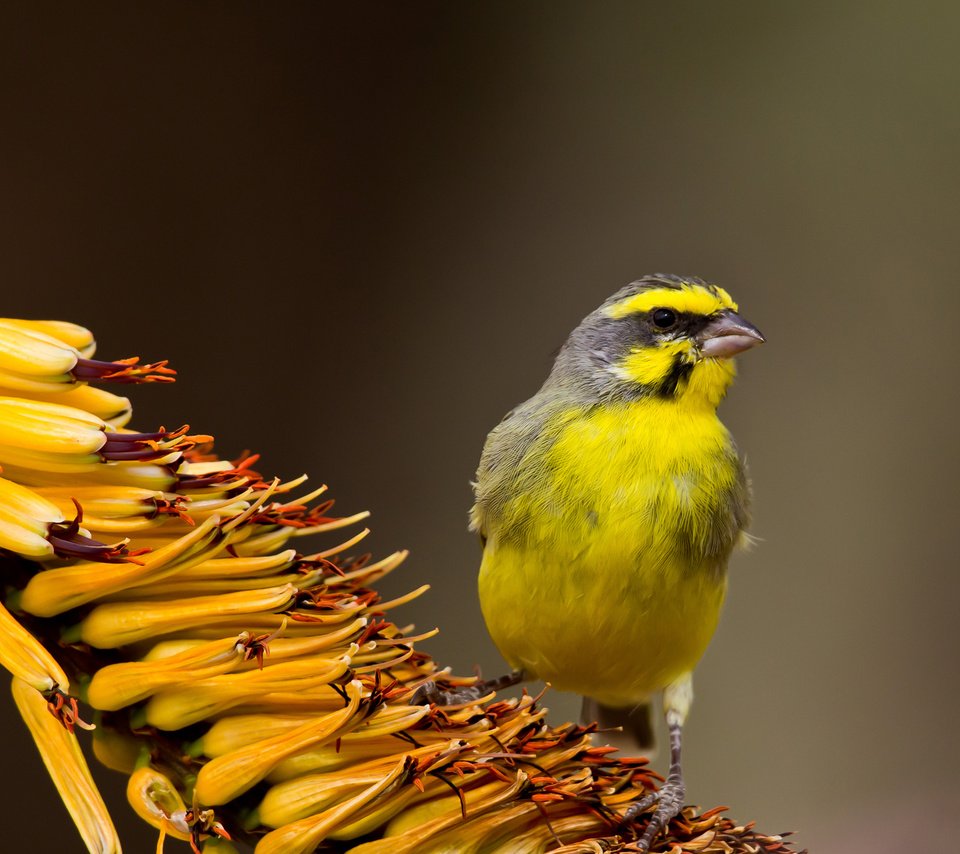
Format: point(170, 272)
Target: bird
point(608, 505)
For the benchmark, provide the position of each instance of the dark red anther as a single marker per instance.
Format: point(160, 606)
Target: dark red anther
point(202, 452)
point(368, 598)
point(203, 822)
point(373, 628)
point(122, 371)
point(318, 598)
point(245, 462)
point(65, 709)
point(68, 542)
point(301, 617)
point(246, 477)
point(205, 481)
point(244, 465)
point(258, 647)
point(295, 515)
point(173, 507)
point(358, 562)
point(712, 812)
point(143, 447)
point(306, 565)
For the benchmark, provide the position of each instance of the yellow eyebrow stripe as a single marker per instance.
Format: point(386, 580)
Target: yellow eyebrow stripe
point(688, 299)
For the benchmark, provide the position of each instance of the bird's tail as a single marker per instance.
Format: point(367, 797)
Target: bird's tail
point(637, 734)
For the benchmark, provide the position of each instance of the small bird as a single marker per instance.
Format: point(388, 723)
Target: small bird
point(608, 505)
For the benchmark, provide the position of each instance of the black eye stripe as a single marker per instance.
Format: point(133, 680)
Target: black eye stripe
point(684, 323)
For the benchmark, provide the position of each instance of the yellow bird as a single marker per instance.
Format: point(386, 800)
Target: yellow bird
point(608, 505)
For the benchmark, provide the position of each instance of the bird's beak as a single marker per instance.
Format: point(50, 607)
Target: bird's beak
point(728, 334)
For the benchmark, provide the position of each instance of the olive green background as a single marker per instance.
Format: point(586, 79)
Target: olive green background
point(361, 231)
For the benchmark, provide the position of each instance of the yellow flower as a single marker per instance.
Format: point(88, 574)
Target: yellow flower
point(64, 761)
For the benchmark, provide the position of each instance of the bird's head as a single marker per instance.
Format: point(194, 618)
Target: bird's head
point(663, 336)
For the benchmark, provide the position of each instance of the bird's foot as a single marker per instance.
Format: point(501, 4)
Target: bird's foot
point(429, 692)
point(669, 801)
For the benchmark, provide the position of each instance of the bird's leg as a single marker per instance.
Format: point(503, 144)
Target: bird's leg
point(428, 692)
point(669, 799)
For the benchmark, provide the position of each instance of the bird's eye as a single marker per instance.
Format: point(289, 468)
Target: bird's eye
point(664, 318)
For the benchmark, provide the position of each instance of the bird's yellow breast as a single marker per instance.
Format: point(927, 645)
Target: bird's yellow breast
point(604, 569)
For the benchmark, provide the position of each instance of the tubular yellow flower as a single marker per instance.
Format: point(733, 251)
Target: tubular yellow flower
point(50, 437)
point(33, 527)
point(121, 623)
point(71, 334)
point(119, 685)
point(284, 649)
point(155, 798)
point(303, 796)
point(413, 829)
point(373, 738)
point(306, 796)
point(228, 776)
point(303, 836)
point(114, 502)
point(113, 409)
point(294, 701)
point(57, 590)
point(143, 475)
point(26, 658)
point(25, 521)
point(53, 428)
point(235, 567)
point(232, 732)
point(28, 504)
point(64, 761)
point(32, 353)
point(35, 357)
point(211, 587)
point(317, 760)
point(177, 708)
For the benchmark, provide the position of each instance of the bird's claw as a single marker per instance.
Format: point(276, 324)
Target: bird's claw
point(429, 692)
point(669, 801)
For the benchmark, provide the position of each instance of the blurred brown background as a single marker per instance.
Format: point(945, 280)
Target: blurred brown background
point(361, 231)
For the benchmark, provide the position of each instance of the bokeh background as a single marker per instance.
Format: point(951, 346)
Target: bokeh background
point(360, 232)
